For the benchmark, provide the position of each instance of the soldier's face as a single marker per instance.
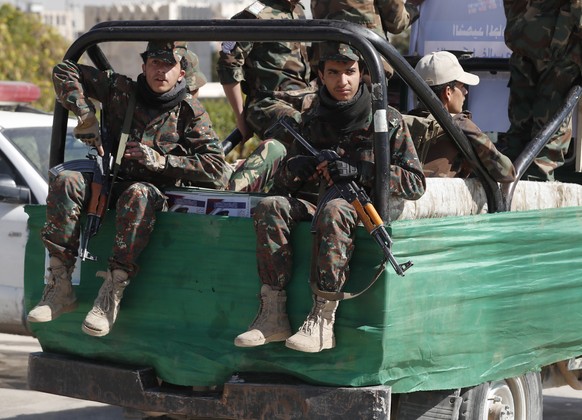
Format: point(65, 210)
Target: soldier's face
point(341, 78)
point(455, 97)
point(160, 75)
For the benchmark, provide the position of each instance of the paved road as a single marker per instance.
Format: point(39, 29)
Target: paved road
point(16, 402)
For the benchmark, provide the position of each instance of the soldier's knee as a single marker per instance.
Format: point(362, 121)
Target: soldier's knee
point(66, 180)
point(274, 149)
point(141, 194)
point(338, 210)
point(269, 206)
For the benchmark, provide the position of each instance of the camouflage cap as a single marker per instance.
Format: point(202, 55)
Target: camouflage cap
point(195, 79)
point(337, 51)
point(167, 51)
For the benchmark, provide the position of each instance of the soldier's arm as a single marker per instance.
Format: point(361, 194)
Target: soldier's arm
point(497, 164)
point(233, 93)
point(200, 161)
point(230, 70)
point(75, 83)
point(406, 177)
point(396, 15)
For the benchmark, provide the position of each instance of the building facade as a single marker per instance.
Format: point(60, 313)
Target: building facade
point(124, 57)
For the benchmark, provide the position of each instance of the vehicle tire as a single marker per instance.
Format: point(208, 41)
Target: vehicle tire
point(517, 398)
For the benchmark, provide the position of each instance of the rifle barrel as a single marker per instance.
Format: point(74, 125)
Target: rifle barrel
point(299, 137)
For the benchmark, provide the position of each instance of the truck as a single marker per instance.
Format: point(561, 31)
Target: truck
point(486, 317)
point(24, 162)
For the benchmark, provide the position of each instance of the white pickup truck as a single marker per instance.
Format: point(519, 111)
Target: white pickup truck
point(24, 162)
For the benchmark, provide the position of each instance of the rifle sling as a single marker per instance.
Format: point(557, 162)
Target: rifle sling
point(342, 295)
point(123, 138)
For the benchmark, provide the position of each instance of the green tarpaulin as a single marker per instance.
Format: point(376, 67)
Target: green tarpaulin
point(489, 297)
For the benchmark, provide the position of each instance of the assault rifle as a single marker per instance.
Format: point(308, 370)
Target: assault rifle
point(99, 166)
point(357, 197)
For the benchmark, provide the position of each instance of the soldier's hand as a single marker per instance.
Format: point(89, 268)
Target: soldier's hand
point(145, 155)
point(87, 130)
point(303, 167)
point(342, 170)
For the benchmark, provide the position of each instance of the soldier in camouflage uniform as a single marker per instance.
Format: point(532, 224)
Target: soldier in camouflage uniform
point(438, 153)
point(546, 40)
point(171, 143)
point(341, 120)
point(274, 77)
point(381, 16)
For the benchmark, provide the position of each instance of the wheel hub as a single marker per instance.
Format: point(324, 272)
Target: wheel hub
point(500, 411)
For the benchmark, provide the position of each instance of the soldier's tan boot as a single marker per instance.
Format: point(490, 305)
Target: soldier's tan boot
point(271, 323)
point(101, 318)
point(58, 296)
point(316, 333)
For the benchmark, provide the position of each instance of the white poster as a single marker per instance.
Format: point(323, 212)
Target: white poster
point(461, 25)
point(476, 26)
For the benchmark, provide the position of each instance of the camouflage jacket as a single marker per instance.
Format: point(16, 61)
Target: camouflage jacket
point(406, 178)
point(544, 29)
point(263, 67)
point(183, 134)
point(442, 158)
point(381, 16)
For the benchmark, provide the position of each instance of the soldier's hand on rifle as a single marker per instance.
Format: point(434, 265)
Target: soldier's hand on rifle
point(87, 130)
point(145, 155)
point(303, 167)
point(342, 170)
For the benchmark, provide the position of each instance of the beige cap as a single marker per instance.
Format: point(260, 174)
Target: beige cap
point(442, 67)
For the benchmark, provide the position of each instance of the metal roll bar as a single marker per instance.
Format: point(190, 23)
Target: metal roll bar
point(370, 45)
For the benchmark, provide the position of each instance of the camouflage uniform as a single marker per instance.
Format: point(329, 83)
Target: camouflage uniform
point(276, 216)
point(380, 16)
point(545, 38)
point(440, 156)
point(273, 75)
point(182, 133)
point(255, 173)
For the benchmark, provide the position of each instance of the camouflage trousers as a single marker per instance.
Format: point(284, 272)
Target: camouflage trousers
point(537, 91)
point(255, 173)
point(136, 206)
point(333, 242)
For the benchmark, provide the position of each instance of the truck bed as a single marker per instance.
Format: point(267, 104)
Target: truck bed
point(490, 296)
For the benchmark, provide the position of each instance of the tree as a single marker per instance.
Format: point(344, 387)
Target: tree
point(29, 52)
